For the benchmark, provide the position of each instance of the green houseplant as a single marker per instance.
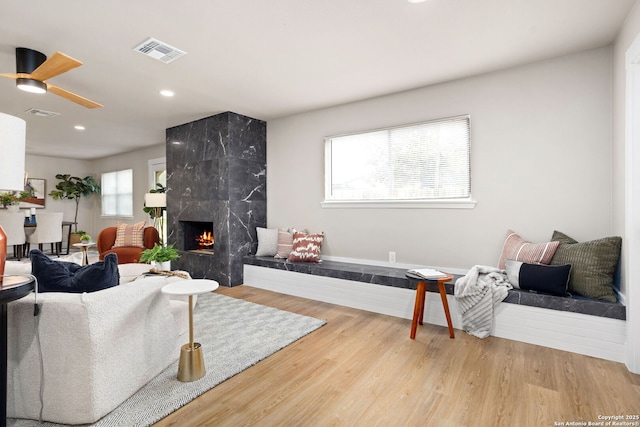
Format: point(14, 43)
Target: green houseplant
point(76, 236)
point(11, 198)
point(159, 255)
point(8, 199)
point(74, 188)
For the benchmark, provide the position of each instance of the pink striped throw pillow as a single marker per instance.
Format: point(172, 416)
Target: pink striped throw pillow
point(518, 249)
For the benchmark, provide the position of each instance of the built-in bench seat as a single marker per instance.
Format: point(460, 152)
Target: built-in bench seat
point(395, 277)
point(579, 325)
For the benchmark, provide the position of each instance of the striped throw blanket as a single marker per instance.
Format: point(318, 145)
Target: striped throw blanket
point(477, 294)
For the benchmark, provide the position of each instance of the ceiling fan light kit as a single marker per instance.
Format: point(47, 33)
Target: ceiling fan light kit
point(31, 85)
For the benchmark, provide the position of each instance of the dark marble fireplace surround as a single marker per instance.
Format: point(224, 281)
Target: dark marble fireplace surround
point(216, 174)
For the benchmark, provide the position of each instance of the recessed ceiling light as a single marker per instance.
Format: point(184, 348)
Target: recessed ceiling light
point(167, 93)
point(416, 1)
point(79, 127)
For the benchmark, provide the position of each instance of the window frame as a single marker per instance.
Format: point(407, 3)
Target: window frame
point(449, 203)
point(102, 195)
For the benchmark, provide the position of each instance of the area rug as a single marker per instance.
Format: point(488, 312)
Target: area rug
point(235, 334)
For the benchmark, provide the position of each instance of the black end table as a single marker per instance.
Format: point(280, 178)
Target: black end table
point(11, 289)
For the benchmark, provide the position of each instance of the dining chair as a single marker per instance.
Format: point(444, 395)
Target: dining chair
point(13, 225)
point(48, 230)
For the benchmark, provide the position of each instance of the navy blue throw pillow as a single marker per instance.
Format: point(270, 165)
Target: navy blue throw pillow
point(550, 279)
point(62, 276)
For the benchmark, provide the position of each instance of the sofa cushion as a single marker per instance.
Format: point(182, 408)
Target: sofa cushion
point(550, 279)
point(131, 271)
point(306, 247)
point(594, 264)
point(128, 235)
point(516, 248)
point(267, 241)
point(62, 276)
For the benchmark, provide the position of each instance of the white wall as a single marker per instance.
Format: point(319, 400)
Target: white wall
point(48, 168)
point(138, 161)
point(541, 160)
point(89, 212)
point(626, 163)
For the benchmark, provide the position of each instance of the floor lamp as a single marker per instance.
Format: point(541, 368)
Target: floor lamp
point(12, 144)
point(157, 202)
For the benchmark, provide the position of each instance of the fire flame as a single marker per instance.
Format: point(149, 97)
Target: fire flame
point(205, 240)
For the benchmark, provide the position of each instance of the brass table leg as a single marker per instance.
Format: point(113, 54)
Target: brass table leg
point(191, 365)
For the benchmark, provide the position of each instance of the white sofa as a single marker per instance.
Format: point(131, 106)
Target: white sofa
point(97, 348)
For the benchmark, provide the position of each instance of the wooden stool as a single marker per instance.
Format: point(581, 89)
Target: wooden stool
point(418, 310)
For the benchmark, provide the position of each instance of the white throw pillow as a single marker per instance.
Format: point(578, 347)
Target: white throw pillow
point(267, 241)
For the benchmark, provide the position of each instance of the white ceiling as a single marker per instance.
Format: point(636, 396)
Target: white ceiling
point(267, 58)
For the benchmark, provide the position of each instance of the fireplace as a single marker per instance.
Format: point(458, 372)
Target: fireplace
point(197, 236)
point(216, 182)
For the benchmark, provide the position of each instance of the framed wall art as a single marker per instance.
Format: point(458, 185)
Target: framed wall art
point(39, 188)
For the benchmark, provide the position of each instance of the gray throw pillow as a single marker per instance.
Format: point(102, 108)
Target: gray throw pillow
point(593, 264)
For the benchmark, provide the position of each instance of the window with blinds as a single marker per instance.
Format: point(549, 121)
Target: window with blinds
point(425, 161)
point(117, 193)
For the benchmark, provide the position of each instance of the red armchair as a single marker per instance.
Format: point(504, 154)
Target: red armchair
point(107, 238)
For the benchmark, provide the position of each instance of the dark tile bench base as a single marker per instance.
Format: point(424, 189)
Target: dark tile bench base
point(395, 277)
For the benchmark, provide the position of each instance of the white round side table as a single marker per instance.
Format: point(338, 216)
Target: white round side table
point(191, 365)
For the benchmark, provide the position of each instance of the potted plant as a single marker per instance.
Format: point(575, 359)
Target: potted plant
point(85, 238)
point(73, 188)
point(160, 256)
point(76, 236)
point(8, 199)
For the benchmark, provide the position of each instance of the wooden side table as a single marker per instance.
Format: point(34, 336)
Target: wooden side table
point(191, 365)
point(418, 309)
point(11, 289)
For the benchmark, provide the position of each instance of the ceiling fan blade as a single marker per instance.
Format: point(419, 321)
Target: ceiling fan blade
point(12, 75)
point(57, 64)
point(72, 97)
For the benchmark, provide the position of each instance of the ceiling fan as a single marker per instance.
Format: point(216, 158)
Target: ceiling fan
point(33, 69)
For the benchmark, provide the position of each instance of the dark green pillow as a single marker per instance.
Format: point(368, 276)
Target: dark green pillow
point(593, 264)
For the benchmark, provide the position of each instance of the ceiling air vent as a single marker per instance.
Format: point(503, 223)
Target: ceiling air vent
point(42, 113)
point(159, 50)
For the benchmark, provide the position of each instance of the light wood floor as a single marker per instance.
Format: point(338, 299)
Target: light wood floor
point(361, 369)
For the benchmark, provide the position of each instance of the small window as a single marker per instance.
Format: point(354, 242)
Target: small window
point(424, 162)
point(117, 193)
